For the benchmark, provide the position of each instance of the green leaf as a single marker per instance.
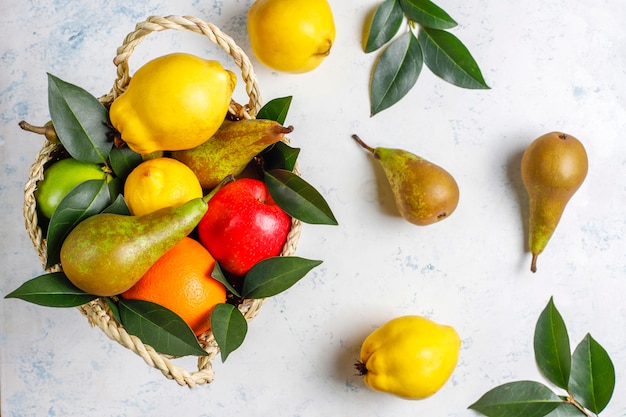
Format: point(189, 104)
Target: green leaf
point(52, 290)
point(447, 57)
point(565, 410)
point(229, 328)
point(516, 399)
point(552, 348)
point(592, 380)
point(386, 22)
point(118, 206)
point(274, 275)
point(84, 200)
point(115, 310)
point(280, 156)
point(123, 161)
point(396, 72)
point(426, 13)
point(80, 120)
point(218, 275)
point(116, 187)
point(298, 198)
point(159, 327)
point(275, 109)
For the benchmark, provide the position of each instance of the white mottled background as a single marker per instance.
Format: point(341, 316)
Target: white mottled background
point(557, 65)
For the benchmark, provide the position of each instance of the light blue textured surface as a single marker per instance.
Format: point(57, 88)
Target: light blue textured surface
point(556, 65)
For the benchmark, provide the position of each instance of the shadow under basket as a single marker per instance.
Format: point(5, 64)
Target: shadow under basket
point(97, 311)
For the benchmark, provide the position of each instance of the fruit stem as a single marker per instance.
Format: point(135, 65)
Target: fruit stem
point(286, 129)
point(363, 144)
point(225, 181)
point(533, 263)
point(41, 130)
point(360, 366)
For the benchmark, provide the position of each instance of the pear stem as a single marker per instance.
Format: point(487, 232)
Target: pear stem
point(363, 144)
point(41, 130)
point(214, 191)
point(533, 263)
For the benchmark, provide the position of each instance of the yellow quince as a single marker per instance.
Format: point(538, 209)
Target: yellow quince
point(173, 102)
point(410, 356)
point(291, 36)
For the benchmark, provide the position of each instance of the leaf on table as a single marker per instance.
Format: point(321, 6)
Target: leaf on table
point(159, 327)
point(80, 120)
point(280, 156)
point(385, 24)
point(428, 14)
point(86, 199)
point(592, 379)
point(565, 410)
point(298, 198)
point(275, 109)
point(396, 72)
point(52, 290)
point(229, 328)
point(275, 275)
point(552, 347)
point(123, 161)
point(447, 57)
point(520, 398)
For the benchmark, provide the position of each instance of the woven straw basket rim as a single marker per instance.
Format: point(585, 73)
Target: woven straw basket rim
point(97, 311)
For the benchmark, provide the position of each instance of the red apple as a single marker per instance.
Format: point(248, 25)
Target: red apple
point(243, 225)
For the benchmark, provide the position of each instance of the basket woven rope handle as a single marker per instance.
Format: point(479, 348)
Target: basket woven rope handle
point(158, 24)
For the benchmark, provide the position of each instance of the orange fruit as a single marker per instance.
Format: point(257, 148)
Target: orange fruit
point(181, 282)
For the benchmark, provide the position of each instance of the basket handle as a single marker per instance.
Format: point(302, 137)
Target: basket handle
point(158, 24)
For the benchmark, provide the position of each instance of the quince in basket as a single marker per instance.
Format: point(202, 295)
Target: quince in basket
point(105, 245)
point(173, 102)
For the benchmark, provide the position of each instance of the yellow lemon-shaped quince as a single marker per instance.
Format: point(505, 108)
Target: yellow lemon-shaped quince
point(291, 35)
point(172, 103)
point(410, 356)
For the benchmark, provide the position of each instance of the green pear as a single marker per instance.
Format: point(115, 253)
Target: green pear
point(554, 166)
point(107, 253)
point(230, 149)
point(424, 192)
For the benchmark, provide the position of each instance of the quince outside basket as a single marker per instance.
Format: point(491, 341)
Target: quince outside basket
point(97, 311)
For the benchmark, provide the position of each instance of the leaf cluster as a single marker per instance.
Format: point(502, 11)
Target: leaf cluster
point(82, 124)
point(426, 40)
point(586, 377)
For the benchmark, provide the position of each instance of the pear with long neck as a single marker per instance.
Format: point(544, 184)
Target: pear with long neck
point(230, 149)
point(108, 253)
point(424, 192)
point(554, 166)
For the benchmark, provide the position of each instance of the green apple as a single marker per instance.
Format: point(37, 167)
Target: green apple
point(60, 178)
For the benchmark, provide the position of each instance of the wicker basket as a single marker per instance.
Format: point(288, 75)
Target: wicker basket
point(97, 311)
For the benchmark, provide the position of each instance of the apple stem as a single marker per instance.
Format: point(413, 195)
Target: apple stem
point(363, 144)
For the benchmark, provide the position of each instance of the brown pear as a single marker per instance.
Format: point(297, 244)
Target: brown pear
point(424, 192)
point(553, 167)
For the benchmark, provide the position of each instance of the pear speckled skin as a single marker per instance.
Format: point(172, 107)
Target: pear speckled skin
point(106, 254)
point(230, 149)
point(553, 167)
point(424, 192)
